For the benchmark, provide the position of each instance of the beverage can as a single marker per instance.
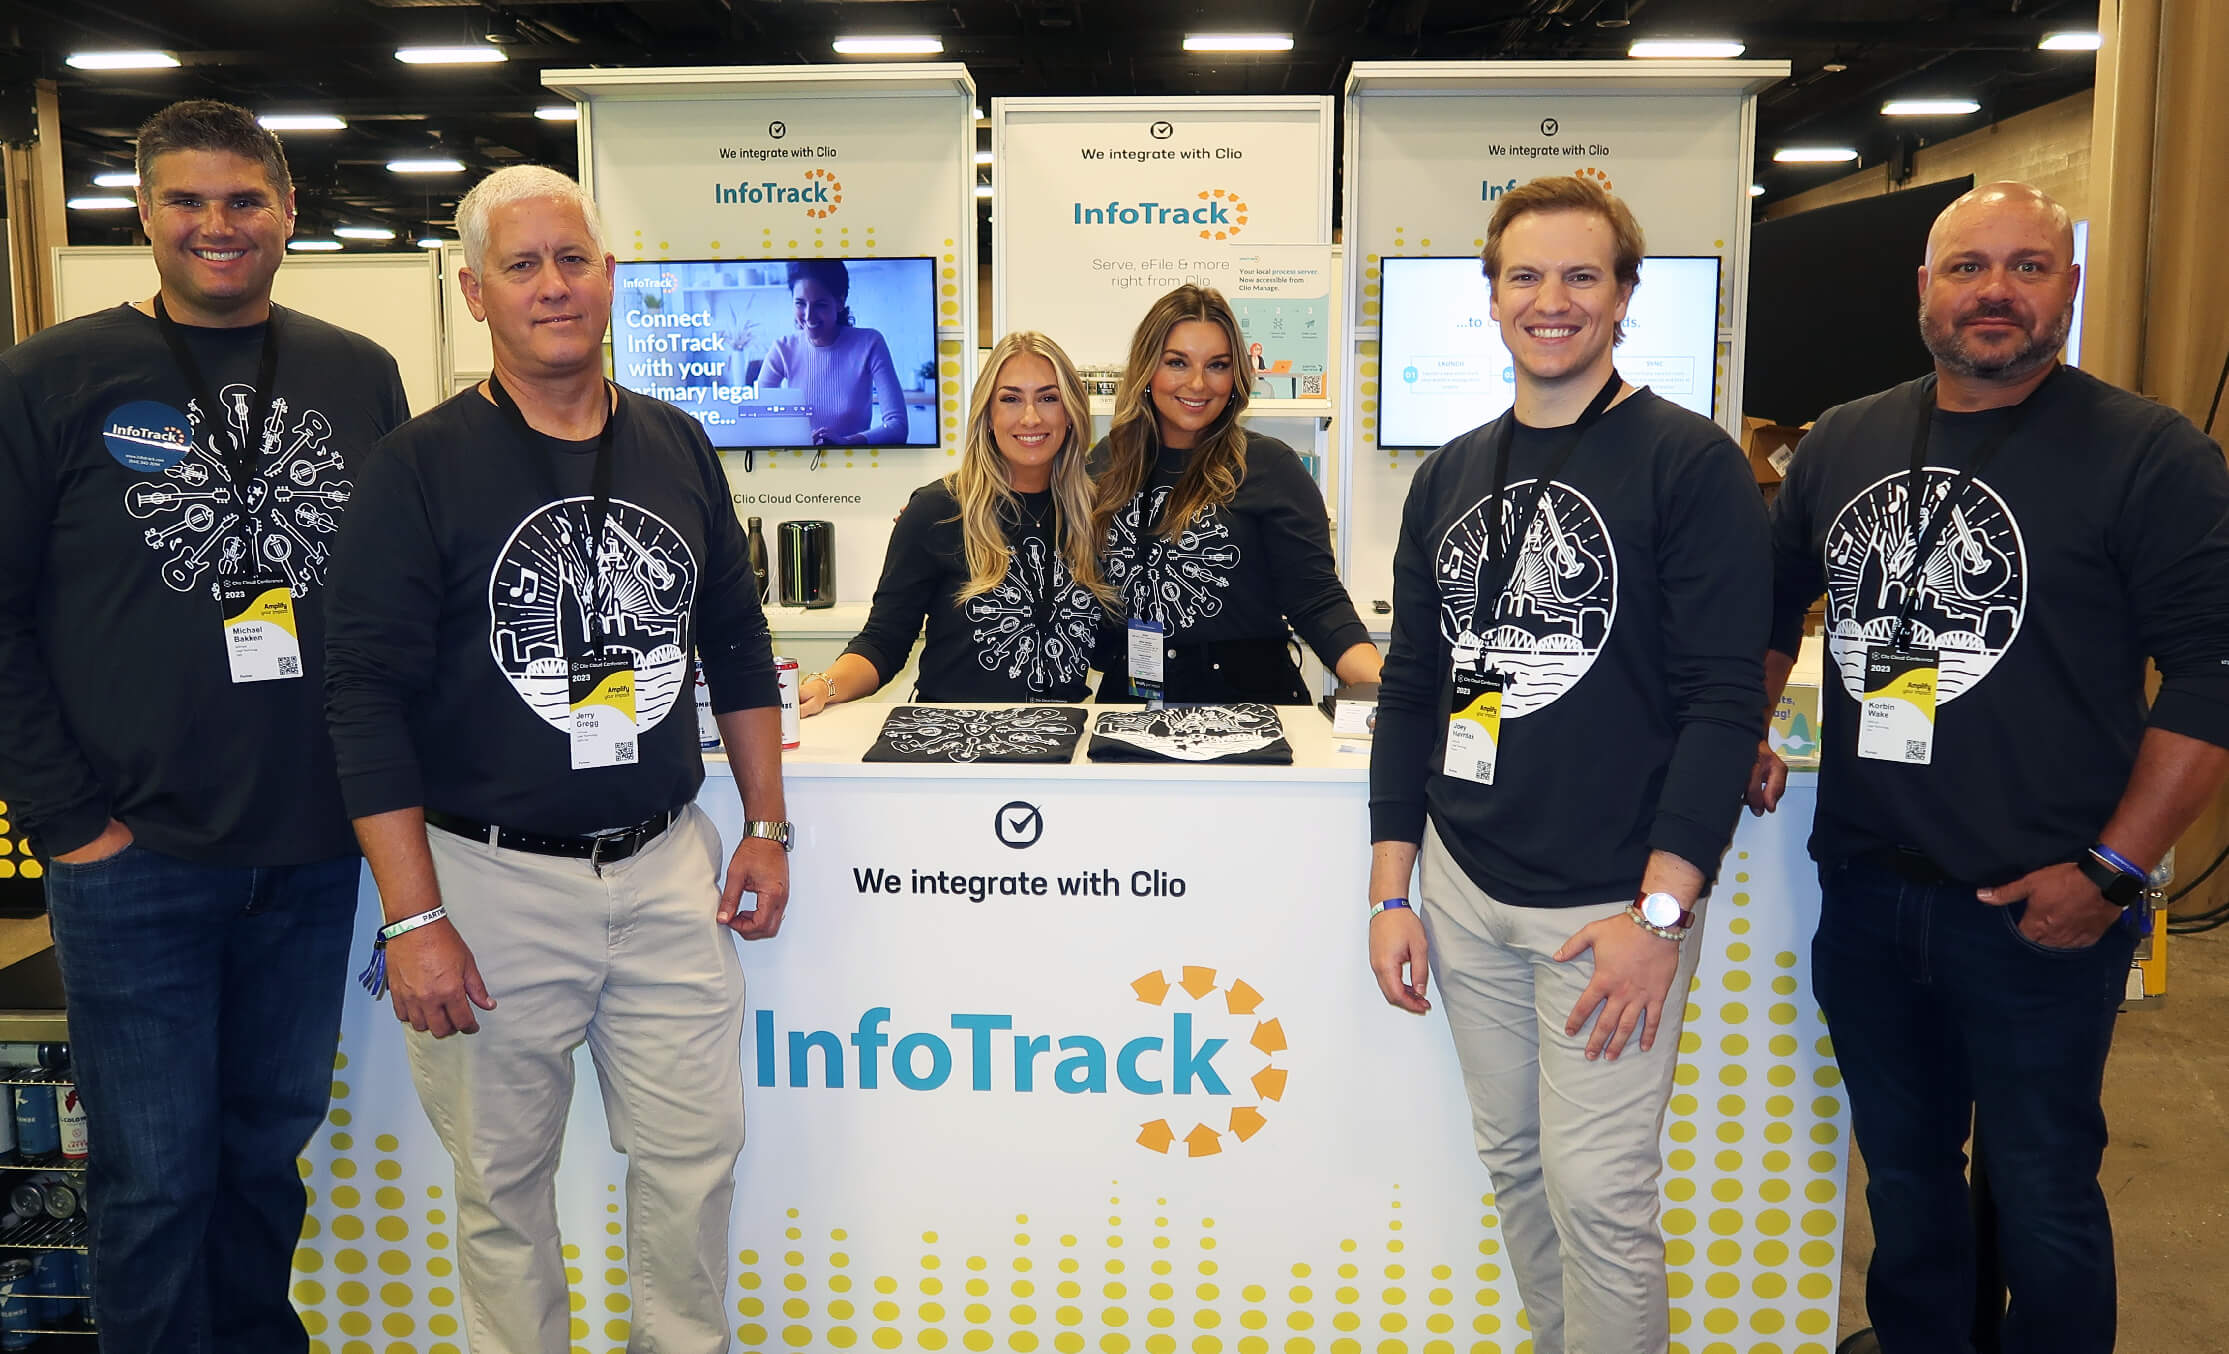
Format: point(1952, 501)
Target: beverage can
point(37, 1131)
point(69, 1115)
point(785, 672)
point(54, 1277)
point(708, 728)
point(81, 1267)
point(15, 1305)
point(63, 1200)
point(55, 1055)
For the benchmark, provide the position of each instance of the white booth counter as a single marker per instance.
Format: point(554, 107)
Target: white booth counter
point(1089, 1057)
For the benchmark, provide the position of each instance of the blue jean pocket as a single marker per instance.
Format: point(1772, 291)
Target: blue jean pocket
point(2014, 912)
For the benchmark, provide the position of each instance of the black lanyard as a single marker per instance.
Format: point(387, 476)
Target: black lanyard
point(1923, 539)
point(240, 460)
point(1501, 556)
point(1042, 607)
point(599, 497)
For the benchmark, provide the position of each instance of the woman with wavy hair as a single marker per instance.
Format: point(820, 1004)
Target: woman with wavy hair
point(1214, 539)
point(999, 556)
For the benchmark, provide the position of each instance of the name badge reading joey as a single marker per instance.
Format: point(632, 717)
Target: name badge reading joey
point(1474, 725)
point(602, 694)
point(260, 638)
point(1148, 662)
point(1897, 723)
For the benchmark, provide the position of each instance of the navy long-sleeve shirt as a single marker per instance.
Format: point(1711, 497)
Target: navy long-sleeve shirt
point(1632, 635)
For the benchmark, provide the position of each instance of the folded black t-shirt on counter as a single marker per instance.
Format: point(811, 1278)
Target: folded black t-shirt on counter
point(1249, 733)
point(946, 733)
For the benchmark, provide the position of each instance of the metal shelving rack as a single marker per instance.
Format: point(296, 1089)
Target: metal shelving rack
point(43, 1234)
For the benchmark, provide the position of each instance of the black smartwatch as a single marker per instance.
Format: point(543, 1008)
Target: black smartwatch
point(2119, 886)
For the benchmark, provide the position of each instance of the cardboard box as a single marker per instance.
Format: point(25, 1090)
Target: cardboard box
point(1770, 447)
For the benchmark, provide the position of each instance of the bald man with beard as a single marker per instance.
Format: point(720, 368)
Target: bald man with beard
point(2003, 544)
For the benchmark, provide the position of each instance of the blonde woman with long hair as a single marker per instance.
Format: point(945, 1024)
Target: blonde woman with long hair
point(1215, 540)
point(999, 557)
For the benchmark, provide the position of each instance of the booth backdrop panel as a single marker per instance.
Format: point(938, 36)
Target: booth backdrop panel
point(392, 299)
point(1226, 1137)
point(886, 172)
point(1425, 175)
point(1104, 205)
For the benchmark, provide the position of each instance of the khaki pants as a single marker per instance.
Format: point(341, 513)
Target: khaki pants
point(633, 962)
point(1572, 1145)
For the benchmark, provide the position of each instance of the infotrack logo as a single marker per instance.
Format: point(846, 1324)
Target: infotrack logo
point(1219, 214)
point(820, 196)
point(1209, 1039)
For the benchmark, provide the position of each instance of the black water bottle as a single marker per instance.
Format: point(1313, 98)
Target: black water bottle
point(760, 574)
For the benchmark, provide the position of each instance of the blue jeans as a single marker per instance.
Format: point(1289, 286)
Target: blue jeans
point(204, 1008)
point(1944, 1016)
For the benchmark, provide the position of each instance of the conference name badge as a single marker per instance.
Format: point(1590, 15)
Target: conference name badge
point(1148, 663)
point(1474, 726)
point(260, 638)
point(603, 701)
point(1897, 723)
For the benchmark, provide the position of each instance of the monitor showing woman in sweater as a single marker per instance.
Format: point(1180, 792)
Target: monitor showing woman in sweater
point(843, 369)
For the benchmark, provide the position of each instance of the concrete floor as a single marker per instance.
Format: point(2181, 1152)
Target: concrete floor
point(2166, 1172)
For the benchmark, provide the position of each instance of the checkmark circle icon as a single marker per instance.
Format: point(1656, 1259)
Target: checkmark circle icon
point(1019, 824)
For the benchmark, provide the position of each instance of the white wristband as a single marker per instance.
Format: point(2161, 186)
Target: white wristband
point(409, 924)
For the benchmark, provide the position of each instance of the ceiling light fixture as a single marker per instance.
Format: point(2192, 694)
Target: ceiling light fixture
point(2056, 42)
point(1691, 48)
point(982, 157)
point(1238, 42)
point(313, 246)
point(431, 242)
point(302, 122)
point(1756, 190)
point(982, 190)
point(425, 166)
point(559, 112)
point(479, 54)
point(1929, 108)
point(100, 204)
point(1814, 155)
point(890, 46)
point(116, 178)
point(364, 232)
point(121, 61)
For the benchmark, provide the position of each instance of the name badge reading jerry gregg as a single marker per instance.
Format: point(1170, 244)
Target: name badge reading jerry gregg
point(603, 701)
point(260, 638)
point(1474, 726)
point(1897, 723)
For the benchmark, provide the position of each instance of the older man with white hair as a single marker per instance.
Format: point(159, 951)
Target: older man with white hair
point(2002, 545)
point(514, 606)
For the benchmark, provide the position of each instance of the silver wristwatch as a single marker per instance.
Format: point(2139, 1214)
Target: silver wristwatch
point(772, 829)
point(1661, 914)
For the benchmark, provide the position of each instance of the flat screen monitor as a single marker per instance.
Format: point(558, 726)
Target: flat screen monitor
point(1442, 369)
point(785, 353)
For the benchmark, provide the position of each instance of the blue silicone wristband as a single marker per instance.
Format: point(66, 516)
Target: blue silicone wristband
point(2117, 860)
point(1388, 905)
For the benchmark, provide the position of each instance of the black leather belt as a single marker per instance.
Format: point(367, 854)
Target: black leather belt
point(600, 849)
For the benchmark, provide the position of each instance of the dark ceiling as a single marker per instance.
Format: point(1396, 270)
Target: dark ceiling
point(337, 56)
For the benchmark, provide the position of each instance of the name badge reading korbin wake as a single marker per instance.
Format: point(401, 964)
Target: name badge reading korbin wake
point(1474, 725)
point(1897, 723)
point(260, 638)
point(1148, 665)
point(603, 701)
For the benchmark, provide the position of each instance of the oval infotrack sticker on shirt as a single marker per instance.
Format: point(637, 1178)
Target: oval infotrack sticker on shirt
point(147, 436)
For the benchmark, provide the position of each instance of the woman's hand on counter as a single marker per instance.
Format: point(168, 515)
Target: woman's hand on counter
point(847, 679)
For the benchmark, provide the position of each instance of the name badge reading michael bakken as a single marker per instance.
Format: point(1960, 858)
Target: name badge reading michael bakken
point(260, 639)
point(603, 700)
point(1898, 721)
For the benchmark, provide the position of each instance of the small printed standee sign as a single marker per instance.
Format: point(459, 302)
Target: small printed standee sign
point(1116, 202)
